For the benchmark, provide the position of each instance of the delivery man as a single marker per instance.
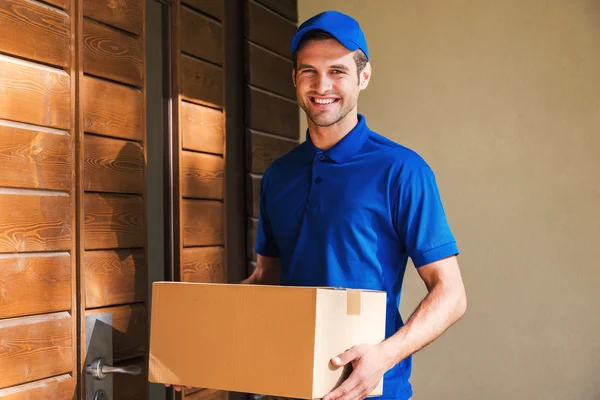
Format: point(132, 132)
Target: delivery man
point(347, 207)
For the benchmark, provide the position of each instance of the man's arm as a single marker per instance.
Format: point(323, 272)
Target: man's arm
point(267, 272)
point(445, 304)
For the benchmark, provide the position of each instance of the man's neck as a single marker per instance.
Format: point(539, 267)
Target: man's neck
point(325, 137)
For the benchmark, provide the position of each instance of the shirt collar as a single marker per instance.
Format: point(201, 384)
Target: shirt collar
point(346, 148)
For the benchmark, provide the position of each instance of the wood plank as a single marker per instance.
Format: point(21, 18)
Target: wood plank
point(286, 8)
point(115, 277)
point(251, 240)
point(253, 198)
point(34, 31)
point(270, 72)
point(112, 109)
point(202, 128)
point(269, 29)
point(131, 387)
point(195, 26)
point(201, 83)
point(56, 388)
point(113, 221)
point(112, 54)
point(214, 8)
point(203, 264)
point(31, 222)
point(130, 335)
point(34, 284)
point(34, 94)
point(64, 4)
point(264, 149)
point(35, 348)
point(32, 158)
point(273, 114)
point(202, 175)
point(202, 222)
point(113, 165)
point(123, 14)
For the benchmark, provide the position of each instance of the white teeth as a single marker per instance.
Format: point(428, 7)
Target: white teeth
point(320, 101)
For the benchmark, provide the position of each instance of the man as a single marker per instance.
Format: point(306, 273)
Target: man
point(348, 207)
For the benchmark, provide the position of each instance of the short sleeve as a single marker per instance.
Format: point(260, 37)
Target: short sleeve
point(265, 240)
point(420, 219)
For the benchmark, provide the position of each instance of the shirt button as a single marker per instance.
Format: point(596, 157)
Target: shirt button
point(318, 179)
point(321, 157)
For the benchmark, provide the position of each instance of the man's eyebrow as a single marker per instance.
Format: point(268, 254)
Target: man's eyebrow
point(339, 66)
point(303, 66)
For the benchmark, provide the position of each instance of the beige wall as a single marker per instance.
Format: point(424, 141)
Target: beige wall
point(502, 98)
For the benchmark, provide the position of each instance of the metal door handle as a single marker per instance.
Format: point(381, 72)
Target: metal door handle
point(99, 369)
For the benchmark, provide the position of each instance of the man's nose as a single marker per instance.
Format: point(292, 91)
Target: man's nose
point(322, 84)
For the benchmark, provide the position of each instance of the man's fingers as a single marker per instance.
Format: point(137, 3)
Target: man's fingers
point(346, 357)
point(346, 387)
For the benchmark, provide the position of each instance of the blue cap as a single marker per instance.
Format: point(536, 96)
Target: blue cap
point(343, 27)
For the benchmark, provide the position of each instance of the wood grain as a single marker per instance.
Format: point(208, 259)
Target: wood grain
point(202, 223)
point(269, 113)
point(202, 175)
point(251, 240)
point(112, 109)
point(131, 387)
point(202, 128)
point(34, 94)
point(129, 330)
point(31, 30)
point(286, 8)
point(203, 264)
point(113, 221)
point(201, 83)
point(253, 200)
point(34, 284)
point(123, 14)
point(56, 388)
point(114, 277)
point(35, 348)
point(269, 29)
point(112, 54)
point(30, 222)
point(270, 72)
point(113, 165)
point(264, 149)
point(214, 8)
point(201, 36)
point(30, 158)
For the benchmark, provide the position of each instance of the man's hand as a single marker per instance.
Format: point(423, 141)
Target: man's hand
point(178, 388)
point(369, 363)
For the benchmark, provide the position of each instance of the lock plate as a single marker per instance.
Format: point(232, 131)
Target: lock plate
point(98, 344)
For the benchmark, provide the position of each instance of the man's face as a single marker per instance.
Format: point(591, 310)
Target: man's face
point(326, 80)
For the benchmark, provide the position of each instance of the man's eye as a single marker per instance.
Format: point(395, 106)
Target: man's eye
point(308, 71)
point(337, 71)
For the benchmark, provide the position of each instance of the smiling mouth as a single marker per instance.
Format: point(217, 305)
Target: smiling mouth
point(324, 101)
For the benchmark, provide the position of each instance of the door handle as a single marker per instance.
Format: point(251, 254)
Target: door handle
point(99, 369)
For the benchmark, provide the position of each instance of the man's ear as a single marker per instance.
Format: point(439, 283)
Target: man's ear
point(294, 76)
point(365, 76)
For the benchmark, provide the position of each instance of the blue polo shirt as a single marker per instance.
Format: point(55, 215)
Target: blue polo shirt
point(350, 217)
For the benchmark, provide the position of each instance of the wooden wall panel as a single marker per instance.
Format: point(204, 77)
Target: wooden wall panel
point(123, 14)
point(264, 149)
point(113, 221)
point(214, 8)
point(113, 165)
point(34, 94)
point(32, 30)
point(271, 113)
point(253, 201)
point(115, 277)
point(112, 54)
point(203, 264)
point(261, 25)
point(286, 8)
point(202, 175)
point(56, 388)
point(269, 71)
point(202, 128)
point(129, 324)
point(64, 4)
point(32, 222)
point(112, 109)
point(252, 230)
point(201, 82)
point(34, 284)
point(33, 157)
point(201, 36)
point(35, 347)
point(202, 222)
point(128, 387)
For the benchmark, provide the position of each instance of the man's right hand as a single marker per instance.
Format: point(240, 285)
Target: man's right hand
point(178, 388)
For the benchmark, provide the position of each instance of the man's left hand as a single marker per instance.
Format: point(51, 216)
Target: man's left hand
point(369, 363)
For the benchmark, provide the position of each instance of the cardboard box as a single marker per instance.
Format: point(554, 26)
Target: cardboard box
point(271, 340)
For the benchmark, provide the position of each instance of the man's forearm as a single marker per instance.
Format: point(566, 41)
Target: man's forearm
point(442, 307)
point(267, 272)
